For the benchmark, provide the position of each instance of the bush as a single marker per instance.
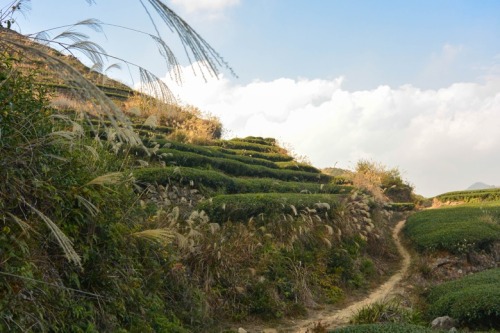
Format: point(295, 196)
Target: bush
point(457, 229)
point(385, 328)
point(209, 181)
point(390, 311)
point(237, 168)
point(292, 165)
point(471, 196)
point(401, 206)
point(273, 157)
point(473, 300)
point(258, 140)
point(250, 146)
point(240, 207)
point(207, 151)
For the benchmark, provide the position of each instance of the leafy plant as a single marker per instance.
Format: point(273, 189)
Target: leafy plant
point(458, 229)
point(473, 300)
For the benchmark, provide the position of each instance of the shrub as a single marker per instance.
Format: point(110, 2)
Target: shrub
point(471, 196)
point(213, 181)
point(292, 165)
point(474, 300)
point(457, 229)
point(207, 151)
point(401, 206)
point(240, 207)
point(389, 311)
point(273, 157)
point(237, 168)
point(250, 146)
point(385, 328)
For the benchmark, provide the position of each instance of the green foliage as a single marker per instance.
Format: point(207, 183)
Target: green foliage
point(471, 196)
point(237, 168)
point(273, 157)
point(209, 181)
point(292, 165)
point(258, 140)
point(473, 300)
point(401, 206)
point(385, 328)
point(65, 249)
point(457, 229)
point(210, 152)
point(388, 311)
point(249, 146)
point(240, 207)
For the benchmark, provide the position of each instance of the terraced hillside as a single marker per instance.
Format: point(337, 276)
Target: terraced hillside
point(243, 178)
point(100, 234)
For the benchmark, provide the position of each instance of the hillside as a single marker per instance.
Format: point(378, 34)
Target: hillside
point(180, 231)
point(130, 214)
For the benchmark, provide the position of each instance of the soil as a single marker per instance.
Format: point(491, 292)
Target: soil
point(332, 317)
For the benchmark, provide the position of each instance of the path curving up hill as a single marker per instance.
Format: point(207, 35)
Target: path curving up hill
point(335, 318)
point(342, 317)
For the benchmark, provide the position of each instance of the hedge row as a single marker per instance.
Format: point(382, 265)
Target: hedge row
point(210, 152)
point(471, 196)
point(221, 183)
point(237, 168)
point(145, 129)
point(385, 328)
point(256, 147)
point(292, 165)
point(474, 300)
point(457, 229)
point(258, 140)
point(273, 157)
point(401, 206)
point(240, 207)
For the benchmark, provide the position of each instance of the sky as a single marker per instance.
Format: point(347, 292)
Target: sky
point(409, 84)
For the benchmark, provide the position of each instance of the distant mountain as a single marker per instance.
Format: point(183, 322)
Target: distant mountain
point(480, 186)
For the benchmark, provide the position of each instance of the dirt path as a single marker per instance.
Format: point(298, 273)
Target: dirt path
point(333, 318)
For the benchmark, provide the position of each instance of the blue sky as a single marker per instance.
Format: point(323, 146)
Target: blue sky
point(411, 84)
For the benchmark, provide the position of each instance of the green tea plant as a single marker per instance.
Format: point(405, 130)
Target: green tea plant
point(473, 300)
point(458, 229)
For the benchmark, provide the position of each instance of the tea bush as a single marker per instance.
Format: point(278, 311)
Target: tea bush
point(210, 181)
point(385, 328)
point(273, 157)
point(457, 229)
point(471, 196)
point(237, 168)
point(240, 207)
point(207, 151)
point(292, 165)
point(249, 146)
point(473, 300)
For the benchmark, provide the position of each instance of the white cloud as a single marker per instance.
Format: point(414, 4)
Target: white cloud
point(442, 139)
point(212, 8)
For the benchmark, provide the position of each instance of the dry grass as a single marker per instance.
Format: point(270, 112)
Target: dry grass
point(191, 124)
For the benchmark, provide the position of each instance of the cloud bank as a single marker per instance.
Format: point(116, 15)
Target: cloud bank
point(441, 140)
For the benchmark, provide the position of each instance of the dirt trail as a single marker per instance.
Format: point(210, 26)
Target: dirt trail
point(333, 318)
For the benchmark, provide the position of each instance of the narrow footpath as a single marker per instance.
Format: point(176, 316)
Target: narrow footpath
point(332, 318)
